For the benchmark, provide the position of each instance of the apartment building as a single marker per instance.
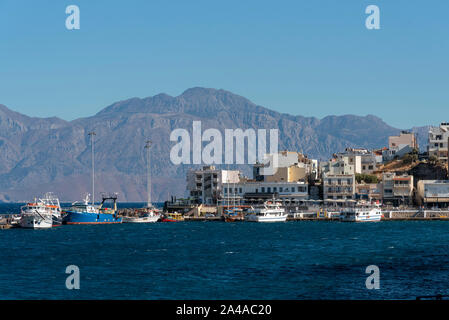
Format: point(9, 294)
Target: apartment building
point(369, 191)
point(338, 186)
point(352, 161)
point(438, 142)
point(206, 185)
point(406, 138)
point(397, 189)
point(291, 166)
point(433, 193)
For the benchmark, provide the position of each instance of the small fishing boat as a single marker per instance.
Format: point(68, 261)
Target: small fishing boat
point(270, 211)
point(173, 217)
point(145, 215)
point(233, 214)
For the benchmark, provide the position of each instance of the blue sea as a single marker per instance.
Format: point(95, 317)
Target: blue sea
point(217, 260)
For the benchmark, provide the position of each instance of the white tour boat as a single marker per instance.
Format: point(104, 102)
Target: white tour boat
point(268, 212)
point(361, 214)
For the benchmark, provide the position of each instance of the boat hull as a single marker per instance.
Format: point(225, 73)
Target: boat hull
point(72, 217)
point(29, 221)
point(170, 220)
point(267, 218)
point(140, 219)
point(373, 215)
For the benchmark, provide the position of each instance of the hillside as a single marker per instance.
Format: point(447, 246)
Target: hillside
point(51, 154)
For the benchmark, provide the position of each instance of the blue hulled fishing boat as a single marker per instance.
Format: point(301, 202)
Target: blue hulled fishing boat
point(84, 213)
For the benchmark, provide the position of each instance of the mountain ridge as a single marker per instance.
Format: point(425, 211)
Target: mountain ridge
point(53, 154)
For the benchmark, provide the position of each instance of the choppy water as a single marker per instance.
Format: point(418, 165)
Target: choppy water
point(217, 260)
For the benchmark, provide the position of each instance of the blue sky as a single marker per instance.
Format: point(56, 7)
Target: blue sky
point(311, 58)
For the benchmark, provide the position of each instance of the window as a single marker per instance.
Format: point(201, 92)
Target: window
point(263, 189)
point(280, 189)
point(268, 189)
point(225, 190)
point(275, 189)
point(257, 190)
point(240, 190)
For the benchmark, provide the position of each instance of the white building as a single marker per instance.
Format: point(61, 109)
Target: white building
point(255, 190)
point(433, 193)
point(352, 161)
point(290, 166)
point(206, 185)
point(438, 142)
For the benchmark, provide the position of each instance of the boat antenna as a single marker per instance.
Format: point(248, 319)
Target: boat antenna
point(148, 146)
point(92, 134)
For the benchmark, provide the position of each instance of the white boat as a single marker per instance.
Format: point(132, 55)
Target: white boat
point(54, 206)
point(361, 214)
point(36, 215)
point(143, 216)
point(268, 212)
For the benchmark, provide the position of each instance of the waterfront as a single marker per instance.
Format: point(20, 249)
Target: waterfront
point(217, 260)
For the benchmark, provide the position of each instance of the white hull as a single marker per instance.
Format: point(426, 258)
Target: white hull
point(266, 218)
point(373, 215)
point(150, 219)
point(34, 221)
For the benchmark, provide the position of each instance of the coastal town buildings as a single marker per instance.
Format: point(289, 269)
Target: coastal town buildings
point(291, 166)
point(351, 161)
point(397, 189)
point(433, 193)
point(206, 184)
point(338, 186)
point(369, 191)
point(438, 142)
point(398, 146)
point(252, 190)
point(405, 138)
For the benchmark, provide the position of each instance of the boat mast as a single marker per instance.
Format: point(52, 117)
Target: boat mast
point(147, 147)
point(92, 134)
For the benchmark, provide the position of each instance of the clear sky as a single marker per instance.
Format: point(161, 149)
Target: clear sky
point(311, 58)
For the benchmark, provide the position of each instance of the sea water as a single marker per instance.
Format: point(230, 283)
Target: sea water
point(218, 260)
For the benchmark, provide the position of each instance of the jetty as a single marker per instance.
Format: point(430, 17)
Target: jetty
point(8, 221)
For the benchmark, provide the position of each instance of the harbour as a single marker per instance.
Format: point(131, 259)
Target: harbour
point(218, 260)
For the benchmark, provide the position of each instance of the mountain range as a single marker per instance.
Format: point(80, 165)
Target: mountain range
point(51, 154)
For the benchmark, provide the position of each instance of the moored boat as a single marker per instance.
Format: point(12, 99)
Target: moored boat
point(361, 214)
point(54, 206)
point(233, 214)
point(270, 211)
point(173, 217)
point(36, 215)
point(85, 213)
point(145, 215)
